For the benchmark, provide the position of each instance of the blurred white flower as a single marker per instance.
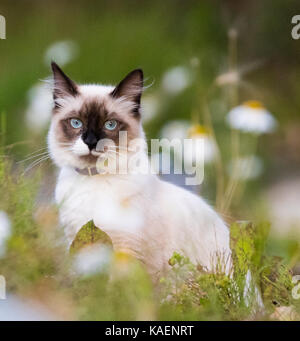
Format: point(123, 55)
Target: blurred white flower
point(118, 215)
point(202, 143)
point(62, 52)
point(236, 76)
point(92, 259)
point(251, 117)
point(247, 168)
point(38, 112)
point(177, 129)
point(150, 105)
point(231, 77)
point(15, 308)
point(176, 79)
point(283, 199)
point(5, 231)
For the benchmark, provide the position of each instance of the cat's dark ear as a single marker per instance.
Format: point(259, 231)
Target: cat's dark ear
point(131, 87)
point(63, 85)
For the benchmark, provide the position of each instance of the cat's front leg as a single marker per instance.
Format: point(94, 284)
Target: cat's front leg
point(71, 224)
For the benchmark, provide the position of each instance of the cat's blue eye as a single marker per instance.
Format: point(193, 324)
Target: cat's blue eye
point(111, 124)
point(75, 123)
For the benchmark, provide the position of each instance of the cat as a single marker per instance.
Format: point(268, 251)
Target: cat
point(143, 215)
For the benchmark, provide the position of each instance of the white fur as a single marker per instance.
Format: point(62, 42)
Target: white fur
point(80, 148)
point(142, 214)
point(158, 218)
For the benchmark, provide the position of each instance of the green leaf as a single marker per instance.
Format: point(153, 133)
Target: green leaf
point(90, 234)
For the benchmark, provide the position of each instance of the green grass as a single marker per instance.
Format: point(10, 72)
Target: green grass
point(36, 266)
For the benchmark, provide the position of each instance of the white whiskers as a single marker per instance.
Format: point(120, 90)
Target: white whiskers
point(36, 158)
point(37, 162)
point(33, 156)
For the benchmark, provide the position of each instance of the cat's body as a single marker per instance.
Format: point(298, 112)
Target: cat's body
point(143, 215)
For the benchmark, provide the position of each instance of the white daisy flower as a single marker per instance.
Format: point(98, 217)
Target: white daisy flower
point(251, 117)
point(177, 129)
point(62, 52)
point(38, 112)
point(5, 231)
point(92, 259)
point(199, 146)
point(202, 147)
point(246, 168)
point(176, 79)
point(150, 105)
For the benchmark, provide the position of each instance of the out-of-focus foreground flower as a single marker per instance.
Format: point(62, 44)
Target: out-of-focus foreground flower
point(283, 197)
point(251, 117)
point(92, 259)
point(14, 308)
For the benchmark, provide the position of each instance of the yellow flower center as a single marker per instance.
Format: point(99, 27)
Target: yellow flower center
point(254, 104)
point(122, 257)
point(196, 130)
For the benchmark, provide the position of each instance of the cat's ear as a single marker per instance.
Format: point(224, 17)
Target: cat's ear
point(63, 85)
point(131, 87)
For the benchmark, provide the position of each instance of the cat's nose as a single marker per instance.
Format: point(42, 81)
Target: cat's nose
point(90, 140)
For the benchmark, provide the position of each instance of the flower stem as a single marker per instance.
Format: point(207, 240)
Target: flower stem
point(218, 159)
point(235, 136)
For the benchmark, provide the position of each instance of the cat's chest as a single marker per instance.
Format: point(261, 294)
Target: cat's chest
point(91, 191)
point(103, 199)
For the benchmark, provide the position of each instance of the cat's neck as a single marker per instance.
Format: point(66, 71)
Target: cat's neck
point(138, 166)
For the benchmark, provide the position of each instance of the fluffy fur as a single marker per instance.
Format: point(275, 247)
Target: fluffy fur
point(143, 215)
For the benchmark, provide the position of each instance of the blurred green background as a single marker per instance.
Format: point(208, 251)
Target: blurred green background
point(112, 37)
point(184, 49)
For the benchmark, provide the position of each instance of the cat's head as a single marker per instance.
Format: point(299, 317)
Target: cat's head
point(83, 115)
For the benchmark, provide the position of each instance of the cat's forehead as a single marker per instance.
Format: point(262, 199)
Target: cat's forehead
point(100, 95)
point(95, 99)
point(93, 90)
